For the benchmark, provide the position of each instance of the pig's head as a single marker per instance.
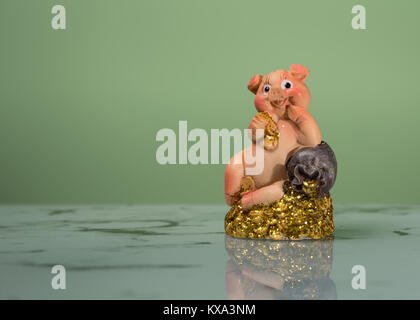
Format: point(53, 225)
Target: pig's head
point(273, 92)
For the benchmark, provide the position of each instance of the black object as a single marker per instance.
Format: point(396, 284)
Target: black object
point(318, 163)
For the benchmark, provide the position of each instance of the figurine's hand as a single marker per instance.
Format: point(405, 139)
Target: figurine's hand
point(297, 114)
point(257, 123)
point(309, 133)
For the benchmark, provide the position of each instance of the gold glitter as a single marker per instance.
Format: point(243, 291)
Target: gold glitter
point(271, 133)
point(295, 216)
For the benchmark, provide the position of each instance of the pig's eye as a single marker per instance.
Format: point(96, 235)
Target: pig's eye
point(266, 88)
point(286, 84)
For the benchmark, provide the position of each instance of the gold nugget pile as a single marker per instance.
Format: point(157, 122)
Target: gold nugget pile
point(297, 215)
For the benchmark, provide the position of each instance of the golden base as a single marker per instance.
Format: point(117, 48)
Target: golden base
point(295, 216)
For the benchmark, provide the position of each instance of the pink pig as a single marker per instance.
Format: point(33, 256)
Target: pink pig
point(285, 97)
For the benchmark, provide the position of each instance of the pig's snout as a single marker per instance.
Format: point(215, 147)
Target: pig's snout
point(276, 97)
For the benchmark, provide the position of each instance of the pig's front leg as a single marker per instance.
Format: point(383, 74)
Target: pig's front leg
point(265, 195)
point(309, 133)
point(236, 183)
point(234, 173)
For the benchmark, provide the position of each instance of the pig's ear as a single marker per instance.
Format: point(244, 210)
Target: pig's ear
point(300, 72)
point(254, 83)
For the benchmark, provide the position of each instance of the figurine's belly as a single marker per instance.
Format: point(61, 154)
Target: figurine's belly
point(275, 160)
point(274, 165)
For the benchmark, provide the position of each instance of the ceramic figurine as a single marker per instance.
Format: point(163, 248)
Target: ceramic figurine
point(290, 198)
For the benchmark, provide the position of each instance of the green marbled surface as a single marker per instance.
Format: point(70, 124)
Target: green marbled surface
point(178, 252)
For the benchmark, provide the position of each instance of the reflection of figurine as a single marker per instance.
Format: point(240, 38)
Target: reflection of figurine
point(289, 199)
point(279, 269)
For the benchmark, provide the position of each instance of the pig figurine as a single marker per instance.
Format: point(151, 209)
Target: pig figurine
point(299, 168)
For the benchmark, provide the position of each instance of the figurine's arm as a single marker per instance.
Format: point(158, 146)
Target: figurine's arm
point(263, 195)
point(308, 130)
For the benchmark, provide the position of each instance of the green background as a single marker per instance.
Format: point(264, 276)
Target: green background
point(80, 108)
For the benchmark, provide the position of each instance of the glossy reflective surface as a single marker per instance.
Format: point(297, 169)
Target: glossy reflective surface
point(181, 252)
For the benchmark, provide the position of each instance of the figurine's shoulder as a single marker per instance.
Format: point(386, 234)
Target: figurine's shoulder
point(286, 126)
